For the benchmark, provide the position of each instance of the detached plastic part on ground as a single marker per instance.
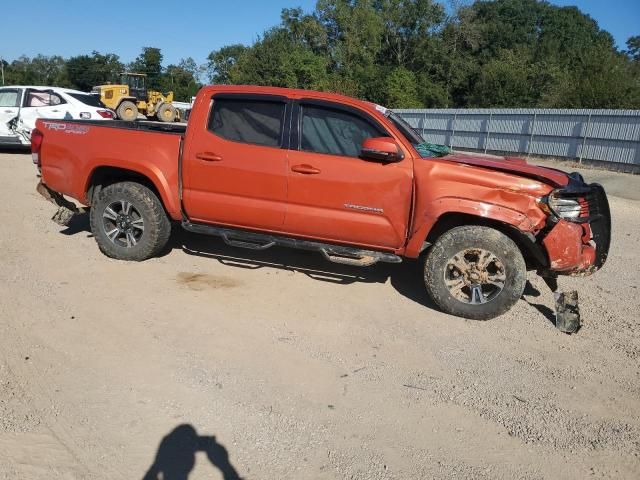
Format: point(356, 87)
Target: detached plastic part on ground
point(567, 312)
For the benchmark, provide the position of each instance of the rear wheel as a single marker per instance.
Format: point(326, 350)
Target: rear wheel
point(475, 272)
point(166, 113)
point(127, 111)
point(129, 222)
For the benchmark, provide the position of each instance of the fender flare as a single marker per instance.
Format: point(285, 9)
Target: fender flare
point(152, 174)
point(455, 205)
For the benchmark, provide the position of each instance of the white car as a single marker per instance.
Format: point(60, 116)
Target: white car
point(20, 106)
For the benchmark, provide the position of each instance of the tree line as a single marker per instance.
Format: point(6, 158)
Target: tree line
point(83, 72)
point(400, 53)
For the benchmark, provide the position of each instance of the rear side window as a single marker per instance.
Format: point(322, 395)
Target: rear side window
point(335, 132)
point(9, 98)
point(91, 100)
point(248, 121)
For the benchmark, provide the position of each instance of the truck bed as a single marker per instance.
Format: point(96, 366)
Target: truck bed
point(138, 125)
point(73, 151)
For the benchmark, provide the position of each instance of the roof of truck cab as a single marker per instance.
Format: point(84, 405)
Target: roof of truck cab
point(294, 93)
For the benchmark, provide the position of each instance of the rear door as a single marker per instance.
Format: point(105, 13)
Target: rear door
point(337, 196)
point(42, 104)
point(9, 107)
point(235, 167)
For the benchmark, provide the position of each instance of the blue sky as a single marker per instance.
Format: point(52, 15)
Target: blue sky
point(191, 27)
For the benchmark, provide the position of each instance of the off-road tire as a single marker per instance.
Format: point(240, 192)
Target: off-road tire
point(166, 113)
point(127, 111)
point(469, 237)
point(157, 227)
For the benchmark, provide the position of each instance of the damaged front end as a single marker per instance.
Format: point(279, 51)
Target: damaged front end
point(577, 240)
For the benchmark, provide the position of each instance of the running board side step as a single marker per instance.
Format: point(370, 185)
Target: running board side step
point(260, 241)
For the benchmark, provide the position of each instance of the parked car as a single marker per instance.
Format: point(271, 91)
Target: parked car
point(21, 106)
point(263, 166)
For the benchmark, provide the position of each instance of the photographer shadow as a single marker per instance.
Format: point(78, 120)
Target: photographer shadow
point(176, 455)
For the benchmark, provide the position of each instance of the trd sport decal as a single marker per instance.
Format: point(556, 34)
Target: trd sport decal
point(67, 128)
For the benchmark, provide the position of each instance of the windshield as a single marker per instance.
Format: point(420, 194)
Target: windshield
point(425, 149)
point(87, 99)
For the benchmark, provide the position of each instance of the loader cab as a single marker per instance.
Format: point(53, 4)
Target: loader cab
point(137, 83)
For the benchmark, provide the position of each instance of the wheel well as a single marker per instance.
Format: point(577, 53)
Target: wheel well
point(105, 176)
point(534, 255)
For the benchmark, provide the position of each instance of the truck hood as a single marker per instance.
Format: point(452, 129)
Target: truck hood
point(513, 165)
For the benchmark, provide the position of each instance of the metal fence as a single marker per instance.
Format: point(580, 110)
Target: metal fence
point(596, 136)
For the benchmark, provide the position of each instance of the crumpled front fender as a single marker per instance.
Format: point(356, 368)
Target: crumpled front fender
point(567, 251)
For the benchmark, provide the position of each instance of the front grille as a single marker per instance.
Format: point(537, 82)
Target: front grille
point(594, 210)
point(600, 222)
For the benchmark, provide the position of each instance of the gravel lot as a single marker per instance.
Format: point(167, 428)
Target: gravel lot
point(277, 365)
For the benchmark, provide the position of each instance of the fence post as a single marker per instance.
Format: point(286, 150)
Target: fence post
point(486, 140)
point(533, 128)
point(424, 123)
point(453, 129)
point(584, 137)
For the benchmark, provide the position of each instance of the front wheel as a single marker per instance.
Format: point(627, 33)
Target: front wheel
point(166, 113)
point(475, 272)
point(127, 111)
point(129, 222)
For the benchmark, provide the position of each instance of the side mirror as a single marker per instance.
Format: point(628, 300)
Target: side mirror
point(381, 149)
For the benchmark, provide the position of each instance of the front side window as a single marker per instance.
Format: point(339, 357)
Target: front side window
point(9, 98)
point(334, 132)
point(259, 122)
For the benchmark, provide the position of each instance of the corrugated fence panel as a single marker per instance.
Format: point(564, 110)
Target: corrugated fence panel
point(602, 135)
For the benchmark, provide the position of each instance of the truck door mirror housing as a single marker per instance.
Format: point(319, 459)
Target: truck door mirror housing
point(381, 149)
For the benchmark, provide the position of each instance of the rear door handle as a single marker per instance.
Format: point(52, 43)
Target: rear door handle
point(306, 169)
point(208, 157)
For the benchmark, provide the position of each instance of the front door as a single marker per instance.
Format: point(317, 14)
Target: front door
point(235, 167)
point(335, 195)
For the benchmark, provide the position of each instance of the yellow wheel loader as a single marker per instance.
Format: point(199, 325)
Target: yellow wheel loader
point(130, 97)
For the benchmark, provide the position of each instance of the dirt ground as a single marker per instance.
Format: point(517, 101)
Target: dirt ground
point(278, 365)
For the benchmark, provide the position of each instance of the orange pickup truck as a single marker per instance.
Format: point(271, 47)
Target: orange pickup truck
point(263, 166)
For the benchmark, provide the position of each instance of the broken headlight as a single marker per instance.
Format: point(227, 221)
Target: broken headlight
point(575, 203)
point(565, 207)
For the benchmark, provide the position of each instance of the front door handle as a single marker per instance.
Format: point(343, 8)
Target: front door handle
point(208, 157)
point(306, 169)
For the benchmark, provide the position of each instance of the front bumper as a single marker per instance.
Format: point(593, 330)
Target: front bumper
point(580, 247)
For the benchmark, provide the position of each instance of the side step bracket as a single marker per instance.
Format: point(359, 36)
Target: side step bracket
point(260, 241)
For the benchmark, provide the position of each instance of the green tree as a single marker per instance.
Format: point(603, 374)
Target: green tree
point(150, 63)
point(278, 61)
point(401, 89)
point(411, 53)
point(633, 48)
point(220, 62)
point(182, 79)
point(86, 71)
point(39, 70)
